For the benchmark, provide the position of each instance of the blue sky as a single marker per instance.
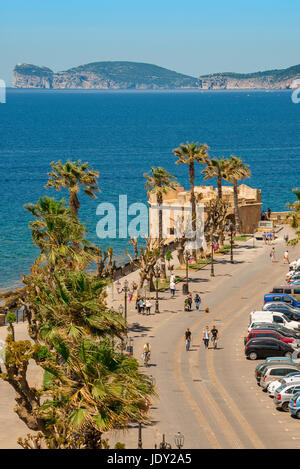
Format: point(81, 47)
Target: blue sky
point(191, 36)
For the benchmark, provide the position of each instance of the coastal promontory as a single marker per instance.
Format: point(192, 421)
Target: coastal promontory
point(135, 75)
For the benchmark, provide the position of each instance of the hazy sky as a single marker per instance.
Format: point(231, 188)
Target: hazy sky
point(194, 37)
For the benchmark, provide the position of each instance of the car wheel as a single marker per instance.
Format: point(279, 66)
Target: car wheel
point(253, 356)
point(285, 407)
point(298, 414)
point(288, 354)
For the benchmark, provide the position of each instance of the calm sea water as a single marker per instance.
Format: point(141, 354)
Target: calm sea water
point(122, 134)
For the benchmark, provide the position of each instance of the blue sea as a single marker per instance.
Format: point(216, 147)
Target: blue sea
point(122, 134)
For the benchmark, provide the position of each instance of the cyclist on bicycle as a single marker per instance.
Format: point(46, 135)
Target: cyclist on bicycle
point(188, 339)
point(214, 336)
point(147, 352)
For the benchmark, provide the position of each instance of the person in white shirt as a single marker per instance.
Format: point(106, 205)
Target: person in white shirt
point(148, 306)
point(172, 288)
point(286, 256)
point(206, 336)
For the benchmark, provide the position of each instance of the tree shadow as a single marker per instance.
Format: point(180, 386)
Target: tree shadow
point(137, 327)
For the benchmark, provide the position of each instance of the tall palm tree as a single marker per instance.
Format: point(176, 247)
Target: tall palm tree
point(71, 175)
point(216, 168)
point(191, 153)
point(160, 182)
point(237, 171)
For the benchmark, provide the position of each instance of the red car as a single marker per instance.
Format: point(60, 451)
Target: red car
point(269, 334)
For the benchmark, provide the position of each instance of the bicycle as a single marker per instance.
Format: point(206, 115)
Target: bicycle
point(146, 358)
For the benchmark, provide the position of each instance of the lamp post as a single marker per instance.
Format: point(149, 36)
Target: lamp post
point(212, 269)
point(186, 258)
point(164, 444)
point(157, 275)
point(140, 443)
point(124, 289)
point(179, 440)
point(231, 228)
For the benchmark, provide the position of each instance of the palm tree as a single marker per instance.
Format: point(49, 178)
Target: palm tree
point(71, 175)
point(160, 182)
point(237, 171)
point(191, 153)
point(216, 168)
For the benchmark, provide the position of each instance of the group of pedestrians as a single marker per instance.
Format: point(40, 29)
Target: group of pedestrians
point(143, 305)
point(207, 335)
point(188, 302)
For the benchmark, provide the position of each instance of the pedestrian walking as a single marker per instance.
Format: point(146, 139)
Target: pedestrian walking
point(264, 236)
point(286, 238)
point(188, 339)
point(190, 301)
point(148, 306)
point(286, 257)
point(172, 288)
point(197, 300)
point(206, 336)
point(272, 254)
point(141, 305)
point(172, 277)
point(269, 237)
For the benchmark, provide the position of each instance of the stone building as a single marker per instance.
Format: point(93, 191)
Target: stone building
point(177, 209)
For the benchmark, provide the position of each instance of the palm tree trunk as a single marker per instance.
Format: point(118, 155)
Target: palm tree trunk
point(219, 186)
point(74, 203)
point(236, 206)
point(160, 238)
point(193, 203)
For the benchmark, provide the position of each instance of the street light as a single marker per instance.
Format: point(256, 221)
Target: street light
point(157, 275)
point(164, 445)
point(140, 444)
point(186, 258)
point(124, 289)
point(231, 228)
point(179, 440)
point(212, 269)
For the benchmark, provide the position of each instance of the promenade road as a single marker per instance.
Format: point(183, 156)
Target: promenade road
point(210, 395)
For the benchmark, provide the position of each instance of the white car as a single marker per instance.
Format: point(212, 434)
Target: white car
point(273, 386)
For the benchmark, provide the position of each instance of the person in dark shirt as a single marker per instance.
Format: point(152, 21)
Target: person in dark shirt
point(214, 335)
point(188, 339)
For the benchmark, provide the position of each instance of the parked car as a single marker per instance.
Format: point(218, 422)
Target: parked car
point(269, 316)
point(275, 372)
point(292, 290)
point(263, 348)
point(269, 361)
point(284, 297)
point(294, 405)
point(284, 394)
point(289, 379)
point(291, 312)
point(278, 328)
point(269, 334)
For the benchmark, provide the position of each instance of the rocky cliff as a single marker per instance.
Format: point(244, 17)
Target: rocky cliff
point(102, 75)
point(133, 75)
point(271, 79)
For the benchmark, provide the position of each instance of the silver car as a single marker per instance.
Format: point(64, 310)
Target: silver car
point(283, 395)
point(276, 372)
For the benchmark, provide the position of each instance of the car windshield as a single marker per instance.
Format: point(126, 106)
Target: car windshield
point(286, 318)
point(281, 387)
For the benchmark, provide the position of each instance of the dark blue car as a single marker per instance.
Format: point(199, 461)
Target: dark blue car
point(283, 297)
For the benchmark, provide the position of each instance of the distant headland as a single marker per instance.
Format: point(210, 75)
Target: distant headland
point(136, 75)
